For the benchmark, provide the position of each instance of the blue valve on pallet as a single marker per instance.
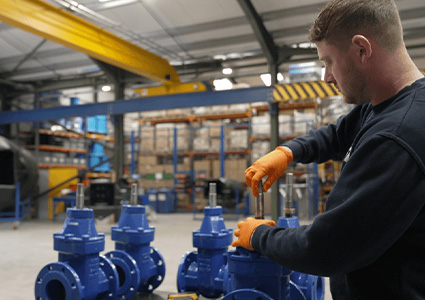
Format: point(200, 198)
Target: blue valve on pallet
point(81, 273)
point(303, 286)
point(202, 271)
point(252, 276)
point(133, 236)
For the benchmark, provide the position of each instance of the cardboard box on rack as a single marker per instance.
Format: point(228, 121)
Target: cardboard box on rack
point(163, 144)
point(201, 144)
point(215, 144)
point(238, 139)
point(235, 169)
point(215, 168)
point(202, 166)
point(148, 160)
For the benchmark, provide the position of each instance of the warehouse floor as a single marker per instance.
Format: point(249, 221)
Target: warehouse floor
point(25, 250)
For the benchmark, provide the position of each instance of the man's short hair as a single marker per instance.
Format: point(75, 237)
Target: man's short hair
point(340, 20)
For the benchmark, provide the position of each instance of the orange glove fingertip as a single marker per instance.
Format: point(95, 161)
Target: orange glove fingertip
point(271, 223)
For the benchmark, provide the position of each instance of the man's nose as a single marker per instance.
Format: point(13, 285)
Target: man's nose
point(329, 78)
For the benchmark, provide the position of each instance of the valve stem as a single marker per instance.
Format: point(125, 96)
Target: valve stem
point(133, 194)
point(289, 210)
point(79, 203)
point(259, 202)
point(213, 194)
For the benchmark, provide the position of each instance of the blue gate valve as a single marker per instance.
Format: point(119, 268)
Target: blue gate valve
point(252, 276)
point(140, 265)
point(81, 273)
point(303, 286)
point(202, 271)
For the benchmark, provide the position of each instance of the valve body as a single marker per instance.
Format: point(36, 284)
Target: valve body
point(303, 286)
point(81, 272)
point(250, 275)
point(133, 236)
point(202, 271)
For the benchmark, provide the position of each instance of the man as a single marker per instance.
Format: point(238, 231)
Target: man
point(371, 239)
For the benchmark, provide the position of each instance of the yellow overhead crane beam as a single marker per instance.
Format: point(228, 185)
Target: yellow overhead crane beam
point(172, 89)
point(52, 23)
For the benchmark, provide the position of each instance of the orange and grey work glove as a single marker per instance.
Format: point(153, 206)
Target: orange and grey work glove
point(272, 164)
point(246, 229)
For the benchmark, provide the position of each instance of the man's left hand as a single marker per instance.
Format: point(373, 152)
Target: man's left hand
point(246, 229)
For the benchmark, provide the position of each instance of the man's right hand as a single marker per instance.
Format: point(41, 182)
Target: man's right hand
point(272, 164)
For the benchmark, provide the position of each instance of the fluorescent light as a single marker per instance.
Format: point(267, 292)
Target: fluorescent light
point(56, 128)
point(267, 79)
point(227, 71)
point(220, 57)
point(279, 77)
point(106, 88)
point(222, 84)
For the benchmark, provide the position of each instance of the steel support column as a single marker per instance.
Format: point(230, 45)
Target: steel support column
point(274, 141)
point(118, 121)
point(270, 50)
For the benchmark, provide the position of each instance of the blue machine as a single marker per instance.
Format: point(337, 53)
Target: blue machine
point(98, 124)
point(252, 276)
point(248, 269)
point(132, 239)
point(81, 273)
point(203, 270)
point(303, 286)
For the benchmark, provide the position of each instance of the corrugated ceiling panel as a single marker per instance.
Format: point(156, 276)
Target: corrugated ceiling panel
point(133, 16)
point(15, 41)
point(191, 12)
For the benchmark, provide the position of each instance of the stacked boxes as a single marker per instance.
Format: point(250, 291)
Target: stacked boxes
point(214, 134)
point(202, 167)
point(160, 138)
point(183, 138)
point(154, 175)
point(259, 149)
point(235, 168)
point(201, 140)
point(261, 126)
point(178, 113)
point(237, 139)
point(147, 139)
point(164, 138)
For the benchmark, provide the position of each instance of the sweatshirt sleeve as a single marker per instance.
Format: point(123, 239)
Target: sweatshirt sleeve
point(330, 142)
point(374, 202)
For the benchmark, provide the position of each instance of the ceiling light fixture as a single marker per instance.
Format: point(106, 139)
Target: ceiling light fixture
point(227, 71)
point(222, 84)
point(280, 77)
point(106, 88)
point(267, 79)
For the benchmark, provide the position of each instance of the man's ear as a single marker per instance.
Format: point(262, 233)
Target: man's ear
point(362, 46)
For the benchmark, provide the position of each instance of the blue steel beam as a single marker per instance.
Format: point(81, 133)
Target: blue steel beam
point(187, 100)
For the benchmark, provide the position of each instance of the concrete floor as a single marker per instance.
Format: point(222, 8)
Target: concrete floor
point(27, 249)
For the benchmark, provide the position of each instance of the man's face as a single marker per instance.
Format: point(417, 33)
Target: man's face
point(342, 71)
